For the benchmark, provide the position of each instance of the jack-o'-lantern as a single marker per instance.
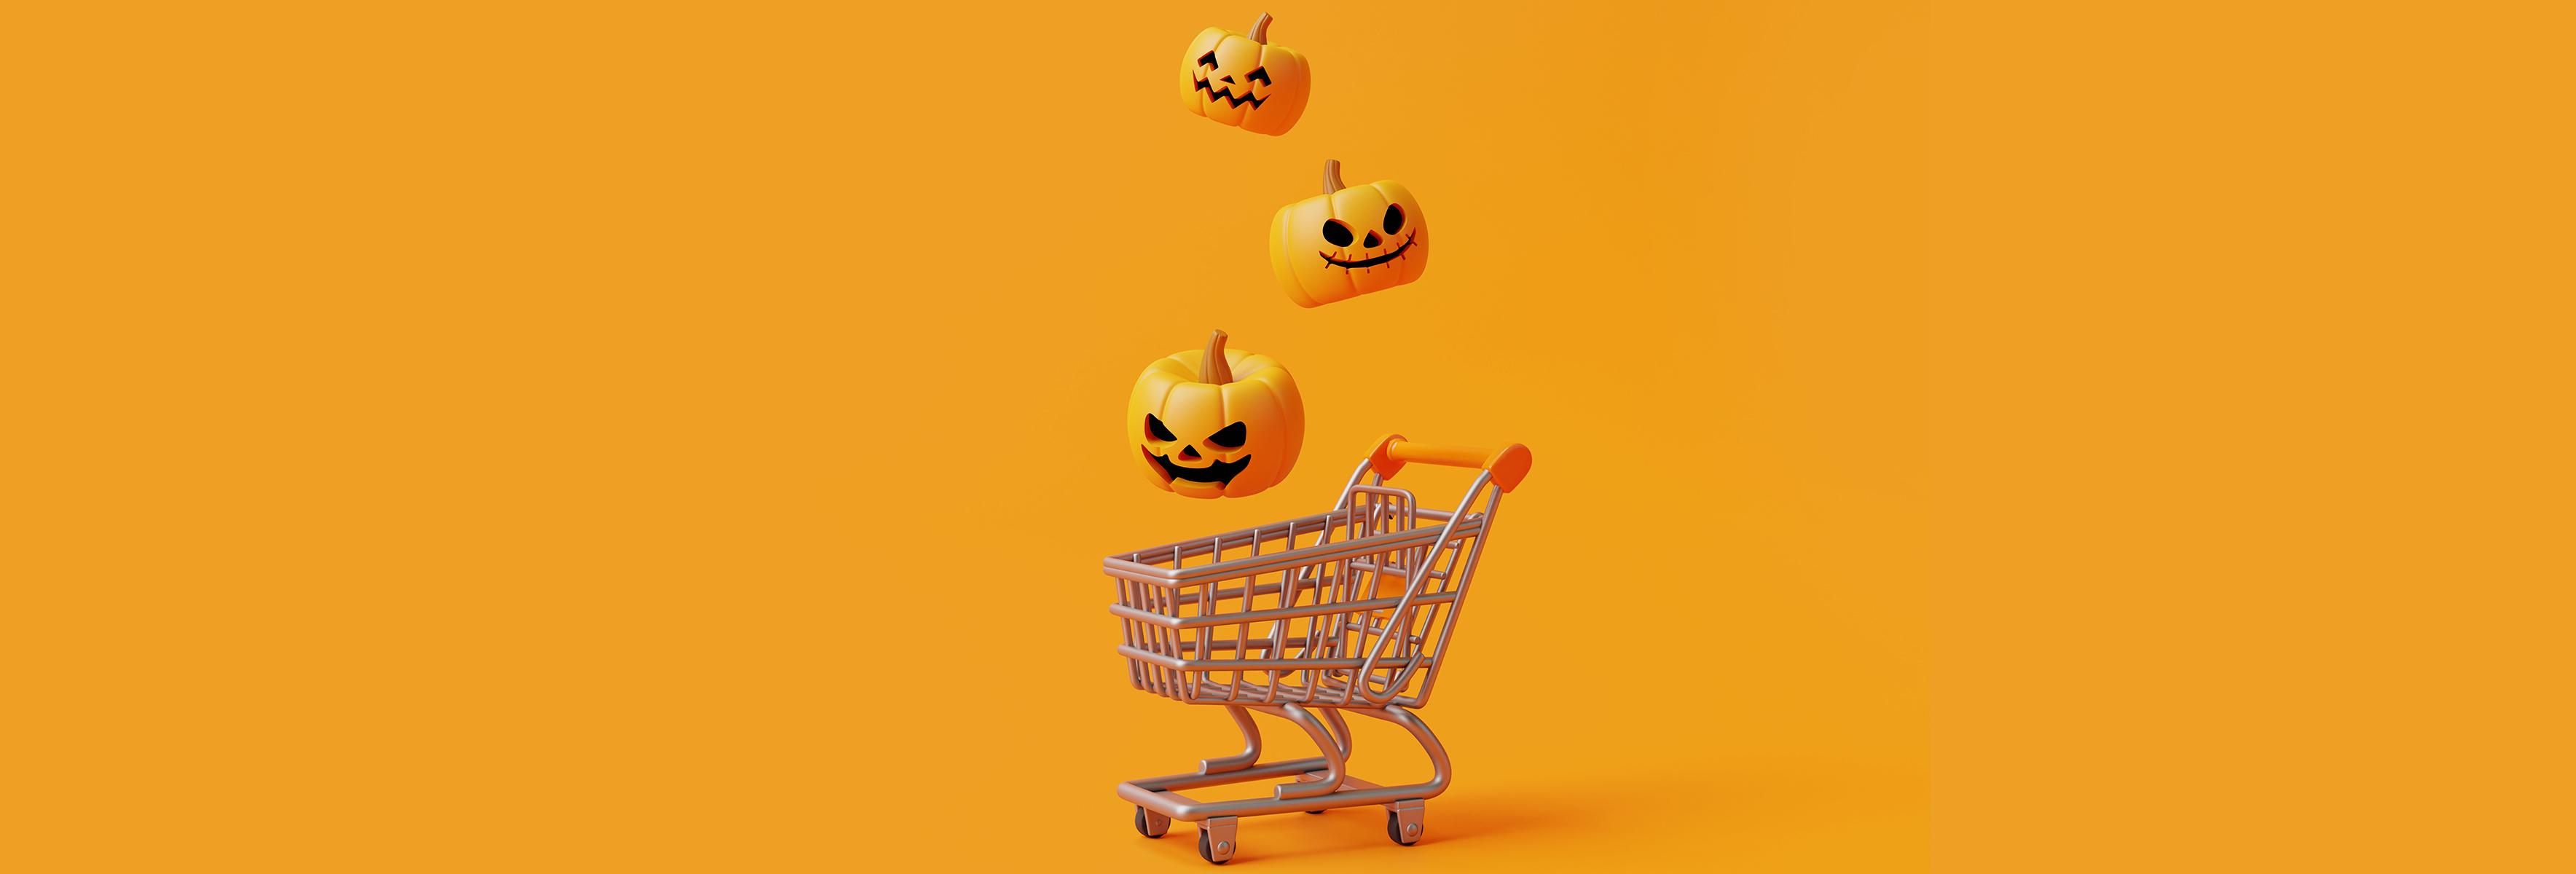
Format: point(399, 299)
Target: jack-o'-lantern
point(1348, 241)
point(1216, 422)
point(1242, 80)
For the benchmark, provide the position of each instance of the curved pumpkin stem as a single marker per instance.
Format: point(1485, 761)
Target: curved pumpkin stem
point(1212, 369)
point(1261, 29)
point(1333, 176)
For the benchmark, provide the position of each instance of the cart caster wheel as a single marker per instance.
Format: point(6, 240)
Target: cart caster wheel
point(1217, 842)
point(1151, 824)
point(1403, 834)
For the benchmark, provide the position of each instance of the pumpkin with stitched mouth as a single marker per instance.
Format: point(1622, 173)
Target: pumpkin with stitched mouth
point(1242, 80)
point(1216, 423)
point(1349, 241)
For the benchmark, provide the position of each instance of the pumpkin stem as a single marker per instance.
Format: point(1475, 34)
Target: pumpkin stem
point(1212, 369)
point(1261, 29)
point(1333, 176)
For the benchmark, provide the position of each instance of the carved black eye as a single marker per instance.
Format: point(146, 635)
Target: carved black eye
point(1258, 74)
point(1394, 218)
point(1229, 438)
point(1154, 426)
point(1207, 60)
point(1337, 233)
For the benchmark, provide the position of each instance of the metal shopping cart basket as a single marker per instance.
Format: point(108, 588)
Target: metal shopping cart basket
point(1348, 610)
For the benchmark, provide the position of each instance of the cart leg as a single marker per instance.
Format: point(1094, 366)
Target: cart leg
point(1251, 746)
point(1216, 839)
point(1422, 734)
point(1341, 736)
point(1324, 741)
point(1341, 730)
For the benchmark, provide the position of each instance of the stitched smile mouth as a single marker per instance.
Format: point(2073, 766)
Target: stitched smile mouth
point(1227, 94)
point(1220, 472)
point(1369, 262)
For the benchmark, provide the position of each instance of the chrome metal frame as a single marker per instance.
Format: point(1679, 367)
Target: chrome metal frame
point(1349, 610)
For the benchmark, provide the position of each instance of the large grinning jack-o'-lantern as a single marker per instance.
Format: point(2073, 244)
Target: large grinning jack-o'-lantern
point(1349, 241)
point(1243, 80)
point(1216, 423)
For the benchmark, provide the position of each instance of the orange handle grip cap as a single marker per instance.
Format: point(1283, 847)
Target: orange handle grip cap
point(1508, 464)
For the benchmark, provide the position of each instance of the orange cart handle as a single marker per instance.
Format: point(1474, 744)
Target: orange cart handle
point(1508, 464)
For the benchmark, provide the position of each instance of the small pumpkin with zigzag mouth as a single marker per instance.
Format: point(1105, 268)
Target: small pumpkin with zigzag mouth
point(1242, 80)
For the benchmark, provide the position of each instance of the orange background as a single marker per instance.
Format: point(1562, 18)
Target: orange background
point(2051, 437)
point(2249, 431)
point(616, 437)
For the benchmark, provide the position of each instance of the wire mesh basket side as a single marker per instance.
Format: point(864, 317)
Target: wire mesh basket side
point(1366, 624)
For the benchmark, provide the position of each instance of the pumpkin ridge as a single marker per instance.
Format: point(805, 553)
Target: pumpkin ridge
point(1271, 381)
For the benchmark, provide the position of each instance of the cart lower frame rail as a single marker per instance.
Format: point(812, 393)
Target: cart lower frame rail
point(1321, 782)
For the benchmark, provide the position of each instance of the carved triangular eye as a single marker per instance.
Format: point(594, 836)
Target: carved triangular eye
point(1230, 438)
point(1207, 60)
point(1154, 426)
point(1258, 74)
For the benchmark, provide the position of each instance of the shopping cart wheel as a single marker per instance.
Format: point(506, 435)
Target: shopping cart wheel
point(1151, 824)
point(1208, 853)
point(1404, 823)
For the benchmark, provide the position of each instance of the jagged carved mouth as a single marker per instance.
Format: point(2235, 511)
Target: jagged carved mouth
point(1227, 94)
point(1207, 62)
point(1369, 262)
point(1220, 472)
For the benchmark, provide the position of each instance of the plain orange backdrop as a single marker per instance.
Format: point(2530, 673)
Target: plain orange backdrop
point(2050, 437)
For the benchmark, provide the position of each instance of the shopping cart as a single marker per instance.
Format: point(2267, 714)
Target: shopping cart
point(1348, 610)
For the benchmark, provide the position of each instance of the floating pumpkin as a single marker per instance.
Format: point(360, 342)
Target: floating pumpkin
point(1216, 422)
point(1243, 80)
point(1348, 241)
